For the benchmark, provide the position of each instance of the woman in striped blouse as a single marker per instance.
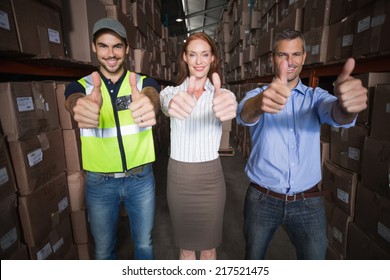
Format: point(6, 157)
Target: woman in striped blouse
point(196, 186)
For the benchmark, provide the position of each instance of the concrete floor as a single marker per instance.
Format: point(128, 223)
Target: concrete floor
point(233, 246)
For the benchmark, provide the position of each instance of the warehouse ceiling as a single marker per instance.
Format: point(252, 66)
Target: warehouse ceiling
point(198, 15)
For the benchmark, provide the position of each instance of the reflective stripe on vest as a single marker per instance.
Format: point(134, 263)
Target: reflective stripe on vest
point(101, 147)
point(112, 132)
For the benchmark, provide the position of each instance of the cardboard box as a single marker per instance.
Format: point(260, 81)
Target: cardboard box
point(38, 160)
point(249, 53)
point(72, 144)
point(371, 31)
point(369, 81)
point(340, 9)
point(325, 132)
point(361, 247)
point(346, 146)
point(266, 64)
point(316, 14)
point(375, 166)
point(338, 231)
point(265, 43)
point(56, 245)
point(325, 155)
point(341, 36)
point(8, 34)
point(40, 28)
point(76, 188)
point(289, 7)
point(317, 45)
point(138, 17)
point(80, 227)
point(7, 180)
point(292, 21)
point(20, 254)
point(156, 8)
point(113, 11)
point(140, 61)
point(9, 227)
point(225, 140)
point(325, 151)
point(342, 184)
point(373, 216)
point(85, 251)
point(332, 253)
point(66, 120)
point(79, 19)
point(227, 125)
point(381, 113)
point(42, 210)
point(28, 108)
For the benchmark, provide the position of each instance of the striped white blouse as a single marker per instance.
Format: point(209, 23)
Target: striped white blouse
point(196, 138)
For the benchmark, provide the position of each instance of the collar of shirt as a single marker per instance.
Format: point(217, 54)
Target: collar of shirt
point(300, 88)
point(113, 88)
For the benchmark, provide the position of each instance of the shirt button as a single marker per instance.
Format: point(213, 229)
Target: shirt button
point(111, 91)
point(292, 164)
point(291, 130)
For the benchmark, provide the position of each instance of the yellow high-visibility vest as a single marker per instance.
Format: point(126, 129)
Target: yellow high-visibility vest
point(118, 144)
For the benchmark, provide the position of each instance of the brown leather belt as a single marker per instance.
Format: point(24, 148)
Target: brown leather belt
point(125, 174)
point(312, 192)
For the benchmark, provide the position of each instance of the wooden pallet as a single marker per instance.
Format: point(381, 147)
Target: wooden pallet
point(230, 152)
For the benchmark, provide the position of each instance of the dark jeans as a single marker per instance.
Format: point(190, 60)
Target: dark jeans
point(104, 195)
point(304, 220)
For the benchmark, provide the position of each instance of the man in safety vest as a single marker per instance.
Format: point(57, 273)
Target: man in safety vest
point(115, 110)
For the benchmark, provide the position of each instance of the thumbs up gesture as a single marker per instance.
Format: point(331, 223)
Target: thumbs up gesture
point(224, 102)
point(275, 97)
point(142, 107)
point(182, 104)
point(352, 96)
point(87, 109)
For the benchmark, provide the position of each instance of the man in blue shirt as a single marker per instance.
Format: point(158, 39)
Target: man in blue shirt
point(284, 166)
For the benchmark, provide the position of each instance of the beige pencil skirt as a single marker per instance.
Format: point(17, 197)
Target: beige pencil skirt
point(196, 199)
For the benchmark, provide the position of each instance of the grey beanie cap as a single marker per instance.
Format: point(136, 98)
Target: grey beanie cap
point(109, 23)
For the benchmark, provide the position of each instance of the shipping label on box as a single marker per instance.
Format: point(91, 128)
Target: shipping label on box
point(28, 108)
point(342, 184)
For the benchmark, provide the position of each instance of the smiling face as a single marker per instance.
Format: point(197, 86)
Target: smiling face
point(293, 52)
point(198, 57)
point(111, 51)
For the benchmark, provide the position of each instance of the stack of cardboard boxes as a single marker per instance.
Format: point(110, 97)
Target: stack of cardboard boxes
point(29, 118)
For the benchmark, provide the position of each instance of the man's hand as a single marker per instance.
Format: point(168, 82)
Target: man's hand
point(275, 97)
point(87, 109)
point(224, 105)
point(352, 96)
point(182, 104)
point(141, 107)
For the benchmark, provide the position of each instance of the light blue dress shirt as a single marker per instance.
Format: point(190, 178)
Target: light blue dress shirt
point(285, 156)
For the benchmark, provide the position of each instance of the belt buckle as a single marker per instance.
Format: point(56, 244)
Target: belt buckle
point(287, 196)
point(120, 175)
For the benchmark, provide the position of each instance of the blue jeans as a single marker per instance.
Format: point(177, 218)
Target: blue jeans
point(304, 219)
point(104, 196)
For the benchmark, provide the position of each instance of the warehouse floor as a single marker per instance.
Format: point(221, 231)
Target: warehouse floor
point(233, 245)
